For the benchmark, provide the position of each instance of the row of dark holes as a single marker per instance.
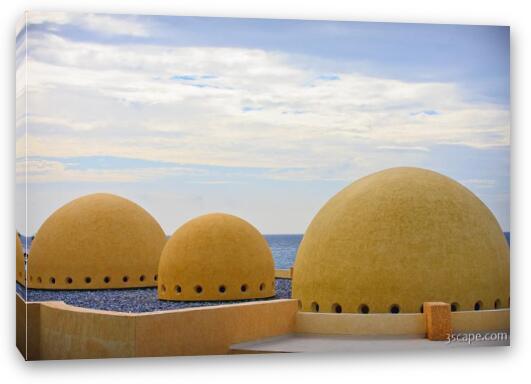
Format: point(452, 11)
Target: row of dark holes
point(88, 279)
point(395, 308)
point(221, 289)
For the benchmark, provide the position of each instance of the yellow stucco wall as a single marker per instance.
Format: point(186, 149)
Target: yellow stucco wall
point(96, 241)
point(490, 320)
point(60, 331)
point(283, 273)
point(379, 324)
point(56, 330)
point(402, 237)
point(376, 324)
point(212, 330)
point(216, 257)
point(19, 261)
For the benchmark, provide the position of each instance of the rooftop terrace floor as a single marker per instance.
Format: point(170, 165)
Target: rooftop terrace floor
point(340, 344)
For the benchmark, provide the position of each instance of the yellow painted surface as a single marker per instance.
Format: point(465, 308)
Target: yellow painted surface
point(96, 241)
point(402, 237)
point(478, 321)
point(19, 261)
point(68, 332)
point(283, 273)
point(375, 324)
point(212, 330)
point(438, 320)
point(216, 257)
point(28, 329)
point(378, 324)
point(59, 331)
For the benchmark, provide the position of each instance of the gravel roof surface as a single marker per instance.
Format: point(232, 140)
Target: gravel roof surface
point(134, 300)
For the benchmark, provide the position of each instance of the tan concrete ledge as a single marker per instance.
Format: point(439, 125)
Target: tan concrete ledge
point(360, 324)
point(485, 320)
point(284, 273)
point(379, 324)
point(55, 330)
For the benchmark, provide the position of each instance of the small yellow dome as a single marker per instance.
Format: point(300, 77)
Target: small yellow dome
point(20, 261)
point(216, 257)
point(393, 240)
point(94, 242)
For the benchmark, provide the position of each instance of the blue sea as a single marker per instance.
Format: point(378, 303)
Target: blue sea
point(284, 249)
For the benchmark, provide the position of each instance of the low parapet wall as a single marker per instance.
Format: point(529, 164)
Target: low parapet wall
point(284, 273)
point(481, 321)
point(397, 324)
point(56, 330)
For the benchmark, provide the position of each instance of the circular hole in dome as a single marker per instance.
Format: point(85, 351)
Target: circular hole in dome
point(422, 308)
point(262, 286)
point(39, 279)
point(52, 280)
point(142, 278)
point(88, 279)
point(106, 279)
point(222, 289)
point(454, 307)
point(155, 277)
point(478, 305)
point(315, 307)
point(336, 308)
point(497, 304)
point(243, 288)
point(363, 308)
point(394, 308)
point(178, 289)
point(125, 279)
point(163, 288)
point(198, 289)
point(69, 280)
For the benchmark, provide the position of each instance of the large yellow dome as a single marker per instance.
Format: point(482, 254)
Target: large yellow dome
point(398, 238)
point(20, 261)
point(216, 257)
point(96, 241)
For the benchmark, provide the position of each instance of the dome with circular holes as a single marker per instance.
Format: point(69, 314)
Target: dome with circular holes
point(393, 240)
point(216, 257)
point(94, 242)
point(19, 261)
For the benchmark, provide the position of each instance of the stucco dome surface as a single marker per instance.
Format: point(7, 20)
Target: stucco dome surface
point(19, 261)
point(397, 238)
point(96, 241)
point(216, 257)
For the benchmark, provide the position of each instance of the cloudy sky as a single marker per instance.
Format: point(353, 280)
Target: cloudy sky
point(265, 119)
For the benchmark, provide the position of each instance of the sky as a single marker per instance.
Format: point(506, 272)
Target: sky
point(265, 119)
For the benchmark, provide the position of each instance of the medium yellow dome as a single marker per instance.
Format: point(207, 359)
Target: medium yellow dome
point(20, 261)
point(216, 257)
point(96, 241)
point(393, 240)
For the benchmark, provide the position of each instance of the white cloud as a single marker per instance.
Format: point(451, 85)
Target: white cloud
point(479, 183)
point(50, 171)
point(402, 148)
point(238, 107)
point(37, 17)
point(99, 23)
